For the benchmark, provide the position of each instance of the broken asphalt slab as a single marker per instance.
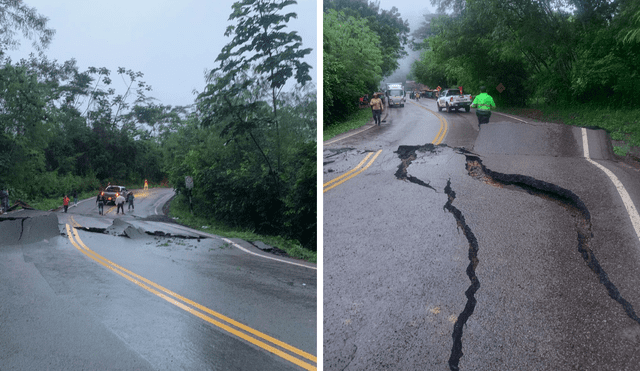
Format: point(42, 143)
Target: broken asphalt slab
point(28, 226)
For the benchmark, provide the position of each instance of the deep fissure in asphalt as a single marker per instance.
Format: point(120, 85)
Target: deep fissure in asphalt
point(565, 198)
point(407, 154)
point(456, 349)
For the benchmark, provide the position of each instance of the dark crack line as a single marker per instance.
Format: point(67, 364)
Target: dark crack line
point(407, 154)
point(21, 229)
point(571, 202)
point(456, 349)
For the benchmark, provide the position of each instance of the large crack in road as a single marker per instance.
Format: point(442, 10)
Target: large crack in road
point(517, 182)
point(456, 349)
point(407, 155)
point(564, 198)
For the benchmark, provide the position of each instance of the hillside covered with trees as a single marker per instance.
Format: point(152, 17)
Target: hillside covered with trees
point(558, 52)
point(249, 146)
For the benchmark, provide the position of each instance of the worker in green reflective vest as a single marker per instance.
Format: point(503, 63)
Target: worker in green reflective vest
point(483, 103)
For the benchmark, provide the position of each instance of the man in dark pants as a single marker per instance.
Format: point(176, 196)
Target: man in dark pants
point(483, 104)
point(100, 202)
point(130, 201)
point(376, 107)
point(120, 204)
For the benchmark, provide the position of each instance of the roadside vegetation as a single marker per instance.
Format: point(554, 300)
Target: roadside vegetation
point(362, 44)
point(179, 211)
point(353, 121)
point(575, 62)
point(249, 146)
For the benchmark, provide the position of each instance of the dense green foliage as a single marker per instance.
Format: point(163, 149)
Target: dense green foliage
point(250, 147)
point(362, 45)
point(63, 130)
point(580, 52)
point(351, 62)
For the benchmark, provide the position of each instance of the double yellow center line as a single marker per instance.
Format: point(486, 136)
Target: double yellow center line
point(351, 173)
point(357, 170)
point(238, 329)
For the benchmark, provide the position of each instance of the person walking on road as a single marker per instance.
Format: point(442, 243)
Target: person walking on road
point(100, 202)
point(130, 201)
point(120, 203)
point(377, 107)
point(483, 104)
point(65, 203)
point(146, 185)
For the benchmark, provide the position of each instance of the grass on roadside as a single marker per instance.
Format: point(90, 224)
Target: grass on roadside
point(180, 210)
point(53, 203)
point(359, 118)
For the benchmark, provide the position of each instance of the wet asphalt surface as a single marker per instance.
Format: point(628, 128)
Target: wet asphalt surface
point(501, 249)
point(63, 310)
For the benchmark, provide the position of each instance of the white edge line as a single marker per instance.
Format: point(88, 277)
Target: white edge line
point(262, 256)
point(513, 117)
point(236, 245)
point(626, 199)
point(348, 136)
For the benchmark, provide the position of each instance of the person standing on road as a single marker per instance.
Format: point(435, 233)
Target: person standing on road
point(146, 185)
point(483, 103)
point(100, 202)
point(130, 201)
point(65, 203)
point(377, 107)
point(120, 203)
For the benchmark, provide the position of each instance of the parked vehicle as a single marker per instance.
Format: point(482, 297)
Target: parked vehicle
point(395, 94)
point(112, 192)
point(453, 99)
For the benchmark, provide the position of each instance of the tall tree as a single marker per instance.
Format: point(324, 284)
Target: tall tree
point(18, 16)
point(351, 60)
point(260, 44)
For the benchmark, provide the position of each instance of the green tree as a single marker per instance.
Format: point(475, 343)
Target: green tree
point(273, 54)
point(392, 30)
point(18, 16)
point(351, 61)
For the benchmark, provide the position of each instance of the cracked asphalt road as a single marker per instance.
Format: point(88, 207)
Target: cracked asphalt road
point(551, 285)
point(128, 292)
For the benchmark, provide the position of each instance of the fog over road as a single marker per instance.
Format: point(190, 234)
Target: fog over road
point(138, 292)
point(501, 248)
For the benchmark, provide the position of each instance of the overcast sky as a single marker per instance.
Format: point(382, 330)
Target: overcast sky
point(171, 42)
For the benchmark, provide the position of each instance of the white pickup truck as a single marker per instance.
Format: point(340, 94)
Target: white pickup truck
point(451, 99)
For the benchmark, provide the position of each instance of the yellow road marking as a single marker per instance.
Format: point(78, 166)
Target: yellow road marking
point(350, 171)
point(77, 242)
point(443, 125)
point(326, 185)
